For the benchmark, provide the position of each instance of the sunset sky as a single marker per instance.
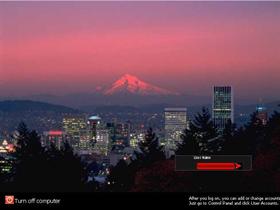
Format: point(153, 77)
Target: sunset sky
point(71, 47)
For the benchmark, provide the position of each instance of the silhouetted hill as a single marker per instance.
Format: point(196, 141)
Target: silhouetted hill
point(37, 115)
point(78, 100)
point(33, 106)
point(109, 109)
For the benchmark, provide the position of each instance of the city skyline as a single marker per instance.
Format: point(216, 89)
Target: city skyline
point(188, 47)
point(109, 97)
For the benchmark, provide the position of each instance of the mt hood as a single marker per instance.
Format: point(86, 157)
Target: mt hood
point(129, 84)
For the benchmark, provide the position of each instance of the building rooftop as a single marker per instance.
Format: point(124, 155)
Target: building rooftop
point(94, 118)
point(175, 109)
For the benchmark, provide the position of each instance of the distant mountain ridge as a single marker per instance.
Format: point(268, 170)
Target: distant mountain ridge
point(129, 90)
point(29, 106)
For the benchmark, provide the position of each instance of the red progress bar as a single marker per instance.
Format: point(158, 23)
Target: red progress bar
point(217, 166)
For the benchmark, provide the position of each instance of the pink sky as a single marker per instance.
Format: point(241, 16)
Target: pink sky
point(67, 47)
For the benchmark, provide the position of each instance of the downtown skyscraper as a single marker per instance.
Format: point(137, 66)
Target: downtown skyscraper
point(262, 114)
point(175, 122)
point(222, 107)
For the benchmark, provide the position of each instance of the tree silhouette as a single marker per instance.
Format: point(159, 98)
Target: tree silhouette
point(69, 169)
point(229, 130)
point(30, 160)
point(122, 176)
point(229, 139)
point(255, 134)
point(201, 137)
point(189, 145)
point(273, 124)
point(149, 148)
point(39, 169)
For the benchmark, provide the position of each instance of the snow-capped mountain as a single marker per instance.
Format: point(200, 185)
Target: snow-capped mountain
point(132, 85)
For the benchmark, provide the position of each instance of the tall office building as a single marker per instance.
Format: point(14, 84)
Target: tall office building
point(102, 143)
point(99, 136)
point(94, 123)
point(222, 107)
point(175, 122)
point(85, 143)
point(73, 127)
point(262, 114)
point(122, 133)
point(54, 137)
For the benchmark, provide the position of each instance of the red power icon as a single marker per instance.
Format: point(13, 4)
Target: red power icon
point(218, 166)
